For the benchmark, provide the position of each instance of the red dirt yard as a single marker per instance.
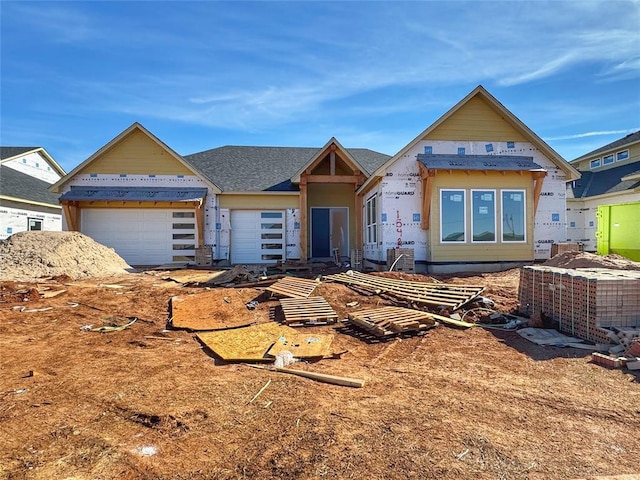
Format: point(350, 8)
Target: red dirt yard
point(150, 403)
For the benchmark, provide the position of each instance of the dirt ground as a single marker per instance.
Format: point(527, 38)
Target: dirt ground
point(149, 402)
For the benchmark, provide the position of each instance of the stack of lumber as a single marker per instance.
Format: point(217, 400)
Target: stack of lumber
point(586, 302)
point(439, 294)
point(386, 321)
point(307, 311)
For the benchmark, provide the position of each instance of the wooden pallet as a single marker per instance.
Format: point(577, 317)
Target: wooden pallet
point(293, 287)
point(388, 321)
point(448, 295)
point(307, 311)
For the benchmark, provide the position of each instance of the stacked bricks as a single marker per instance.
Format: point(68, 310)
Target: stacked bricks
point(406, 263)
point(586, 302)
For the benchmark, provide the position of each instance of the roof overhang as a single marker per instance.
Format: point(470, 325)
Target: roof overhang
point(479, 163)
point(331, 145)
point(134, 194)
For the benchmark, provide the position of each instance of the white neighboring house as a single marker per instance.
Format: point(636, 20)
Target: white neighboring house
point(610, 176)
point(26, 173)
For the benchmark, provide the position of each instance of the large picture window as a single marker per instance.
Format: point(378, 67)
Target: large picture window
point(452, 216)
point(513, 216)
point(371, 220)
point(483, 217)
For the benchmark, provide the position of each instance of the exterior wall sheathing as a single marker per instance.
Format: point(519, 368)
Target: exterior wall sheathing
point(401, 200)
point(584, 302)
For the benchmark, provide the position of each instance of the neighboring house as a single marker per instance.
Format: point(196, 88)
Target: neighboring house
point(476, 190)
point(26, 173)
point(610, 176)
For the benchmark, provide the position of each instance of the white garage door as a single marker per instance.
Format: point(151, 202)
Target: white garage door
point(257, 236)
point(143, 236)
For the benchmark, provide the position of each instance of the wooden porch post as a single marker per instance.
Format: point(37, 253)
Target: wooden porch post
point(303, 219)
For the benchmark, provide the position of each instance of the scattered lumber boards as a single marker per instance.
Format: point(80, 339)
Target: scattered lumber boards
point(440, 294)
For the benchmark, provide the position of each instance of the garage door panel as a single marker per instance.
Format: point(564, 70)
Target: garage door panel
point(142, 236)
point(257, 236)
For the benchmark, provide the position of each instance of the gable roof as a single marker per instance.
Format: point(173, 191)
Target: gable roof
point(612, 180)
point(15, 185)
point(10, 153)
point(514, 121)
point(268, 169)
point(615, 145)
point(56, 187)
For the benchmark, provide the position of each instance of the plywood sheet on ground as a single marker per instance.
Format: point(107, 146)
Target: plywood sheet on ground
point(212, 309)
point(190, 276)
point(293, 287)
point(246, 344)
point(302, 345)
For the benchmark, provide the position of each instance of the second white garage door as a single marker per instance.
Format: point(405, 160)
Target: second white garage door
point(257, 236)
point(143, 236)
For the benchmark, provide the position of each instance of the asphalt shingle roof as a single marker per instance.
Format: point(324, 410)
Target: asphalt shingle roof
point(255, 169)
point(9, 152)
point(605, 181)
point(621, 142)
point(20, 185)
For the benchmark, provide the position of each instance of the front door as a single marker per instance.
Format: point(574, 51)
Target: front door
point(329, 232)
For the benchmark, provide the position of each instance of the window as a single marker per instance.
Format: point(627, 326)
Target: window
point(461, 150)
point(595, 163)
point(452, 216)
point(34, 224)
point(623, 155)
point(428, 150)
point(607, 159)
point(371, 220)
point(513, 216)
point(183, 215)
point(483, 215)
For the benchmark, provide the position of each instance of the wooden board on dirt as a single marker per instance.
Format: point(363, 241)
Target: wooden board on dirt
point(189, 276)
point(211, 310)
point(307, 311)
point(302, 345)
point(246, 344)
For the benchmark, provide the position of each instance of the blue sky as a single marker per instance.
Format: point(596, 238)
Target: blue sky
point(373, 74)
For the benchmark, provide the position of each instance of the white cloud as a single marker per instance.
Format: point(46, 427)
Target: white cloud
point(593, 134)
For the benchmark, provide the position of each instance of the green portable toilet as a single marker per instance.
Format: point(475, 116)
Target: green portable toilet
point(619, 230)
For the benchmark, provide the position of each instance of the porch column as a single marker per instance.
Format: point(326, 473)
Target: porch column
point(303, 219)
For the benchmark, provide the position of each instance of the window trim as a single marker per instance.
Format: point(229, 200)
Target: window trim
point(595, 163)
point(371, 220)
point(605, 157)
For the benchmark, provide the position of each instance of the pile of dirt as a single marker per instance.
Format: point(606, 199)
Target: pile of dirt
point(578, 259)
point(31, 255)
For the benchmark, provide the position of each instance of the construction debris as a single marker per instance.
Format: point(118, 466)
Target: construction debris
point(293, 287)
point(387, 321)
point(307, 311)
point(245, 344)
point(208, 310)
point(302, 345)
point(320, 377)
point(438, 294)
